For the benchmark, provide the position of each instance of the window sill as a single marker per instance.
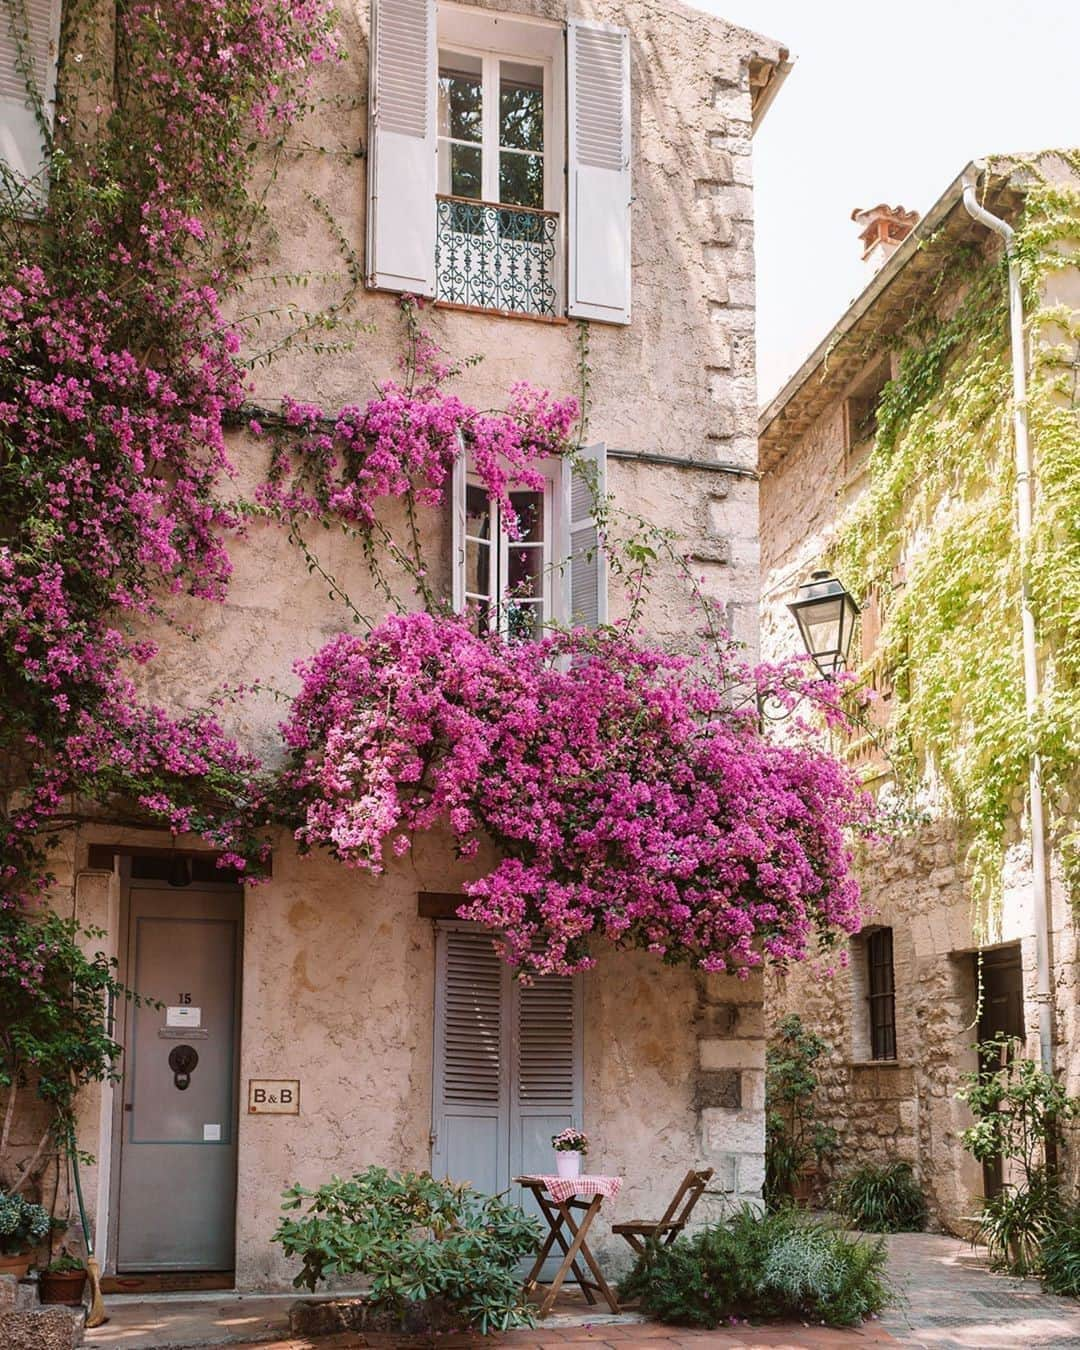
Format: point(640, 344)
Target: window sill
point(879, 1064)
point(556, 320)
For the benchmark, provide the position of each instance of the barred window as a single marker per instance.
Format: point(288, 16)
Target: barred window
point(882, 994)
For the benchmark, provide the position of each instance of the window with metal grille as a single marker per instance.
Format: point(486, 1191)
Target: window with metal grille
point(882, 994)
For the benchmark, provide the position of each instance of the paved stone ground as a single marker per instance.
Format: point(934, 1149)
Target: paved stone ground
point(947, 1300)
point(950, 1301)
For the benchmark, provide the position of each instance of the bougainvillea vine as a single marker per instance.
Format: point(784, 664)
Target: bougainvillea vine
point(628, 800)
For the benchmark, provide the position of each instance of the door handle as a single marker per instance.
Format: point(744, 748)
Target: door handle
point(182, 1061)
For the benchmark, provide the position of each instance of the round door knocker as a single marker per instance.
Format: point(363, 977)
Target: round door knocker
point(182, 1061)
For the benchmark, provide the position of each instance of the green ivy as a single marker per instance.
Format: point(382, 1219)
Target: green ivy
point(941, 508)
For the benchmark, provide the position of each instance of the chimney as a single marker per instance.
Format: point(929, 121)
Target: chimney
point(882, 229)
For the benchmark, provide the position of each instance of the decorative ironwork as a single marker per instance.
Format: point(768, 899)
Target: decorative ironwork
point(496, 257)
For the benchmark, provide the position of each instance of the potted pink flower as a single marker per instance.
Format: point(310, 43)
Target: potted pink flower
point(570, 1146)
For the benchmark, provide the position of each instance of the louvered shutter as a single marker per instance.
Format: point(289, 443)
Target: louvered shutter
point(585, 574)
point(598, 91)
point(471, 1098)
point(546, 1084)
point(21, 146)
point(402, 147)
point(458, 508)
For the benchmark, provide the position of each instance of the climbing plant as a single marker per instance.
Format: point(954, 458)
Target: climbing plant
point(635, 801)
point(935, 536)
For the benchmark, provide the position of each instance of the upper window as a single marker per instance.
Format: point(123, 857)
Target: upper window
point(492, 129)
point(860, 414)
point(499, 164)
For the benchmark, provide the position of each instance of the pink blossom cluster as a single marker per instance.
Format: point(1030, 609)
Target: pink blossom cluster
point(118, 375)
point(629, 802)
point(406, 440)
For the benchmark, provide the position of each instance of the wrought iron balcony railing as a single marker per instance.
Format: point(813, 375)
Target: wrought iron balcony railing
point(496, 257)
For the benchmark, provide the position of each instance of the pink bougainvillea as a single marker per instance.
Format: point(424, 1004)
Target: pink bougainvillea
point(628, 800)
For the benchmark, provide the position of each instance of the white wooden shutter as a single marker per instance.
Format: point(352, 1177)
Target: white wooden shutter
point(585, 574)
point(471, 1132)
point(21, 145)
point(598, 92)
point(458, 517)
point(402, 147)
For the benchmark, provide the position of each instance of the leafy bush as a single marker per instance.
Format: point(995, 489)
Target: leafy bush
point(23, 1225)
point(1019, 1111)
point(420, 1242)
point(1061, 1255)
point(880, 1199)
point(794, 1136)
point(1014, 1224)
point(761, 1265)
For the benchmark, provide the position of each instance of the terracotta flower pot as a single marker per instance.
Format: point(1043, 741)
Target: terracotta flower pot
point(16, 1265)
point(62, 1286)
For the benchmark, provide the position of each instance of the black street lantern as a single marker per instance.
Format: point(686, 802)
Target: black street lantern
point(826, 615)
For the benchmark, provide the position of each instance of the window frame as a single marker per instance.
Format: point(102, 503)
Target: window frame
point(500, 545)
point(881, 994)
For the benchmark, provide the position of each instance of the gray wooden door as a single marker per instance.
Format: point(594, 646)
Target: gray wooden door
point(177, 1194)
point(508, 1065)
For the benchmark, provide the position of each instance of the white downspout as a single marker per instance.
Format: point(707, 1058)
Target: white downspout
point(1039, 879)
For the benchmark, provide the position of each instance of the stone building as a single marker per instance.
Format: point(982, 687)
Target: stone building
point(929, 974)
point(329, 990)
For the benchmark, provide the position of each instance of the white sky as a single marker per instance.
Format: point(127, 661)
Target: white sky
point(887, 102)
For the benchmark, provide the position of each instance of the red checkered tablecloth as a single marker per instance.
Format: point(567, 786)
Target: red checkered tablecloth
point(565, 1188)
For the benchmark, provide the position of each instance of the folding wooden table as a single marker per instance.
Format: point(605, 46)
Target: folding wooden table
point(558, 1198)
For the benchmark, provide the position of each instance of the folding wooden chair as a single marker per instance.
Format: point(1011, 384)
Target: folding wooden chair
point(663, 1231)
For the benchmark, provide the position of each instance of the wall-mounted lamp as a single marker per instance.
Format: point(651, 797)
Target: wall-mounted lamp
point(826, 614)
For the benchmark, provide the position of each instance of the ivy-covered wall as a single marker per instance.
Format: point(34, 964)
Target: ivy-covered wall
point(924, 536)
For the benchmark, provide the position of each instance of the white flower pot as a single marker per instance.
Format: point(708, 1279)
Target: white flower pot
point(568, 1163)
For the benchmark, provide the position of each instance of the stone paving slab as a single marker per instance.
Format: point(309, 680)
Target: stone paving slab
point(949, 1300)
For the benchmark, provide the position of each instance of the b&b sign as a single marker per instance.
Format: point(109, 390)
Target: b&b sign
point(273, 1096)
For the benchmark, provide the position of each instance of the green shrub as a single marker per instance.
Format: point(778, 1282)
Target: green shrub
point(880, 1199)
point(1061, 1255)
point(794, 1136)
point(421, 1242)
point(1014, 1224)
point(761, 1265)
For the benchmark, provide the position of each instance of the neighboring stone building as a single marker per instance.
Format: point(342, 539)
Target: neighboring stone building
point(903, 1017)
point(339, 981)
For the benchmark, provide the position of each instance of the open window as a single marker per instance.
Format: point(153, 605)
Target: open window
point(29, 39)
point(553, 572)
point(860, 414)
point(499, 175)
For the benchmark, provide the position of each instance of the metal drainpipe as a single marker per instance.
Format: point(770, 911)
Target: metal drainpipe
point(1039, 880)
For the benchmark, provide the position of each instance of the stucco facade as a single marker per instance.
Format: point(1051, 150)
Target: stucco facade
point(814, 470)
point(338, 979)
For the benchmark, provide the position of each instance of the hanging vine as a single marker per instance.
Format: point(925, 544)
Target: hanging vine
point(941, 510)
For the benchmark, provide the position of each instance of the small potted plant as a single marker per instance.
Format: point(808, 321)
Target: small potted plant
point(63, 1280)
point(24, 1226)
point(570, 1146)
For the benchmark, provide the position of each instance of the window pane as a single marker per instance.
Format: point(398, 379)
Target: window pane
point(460, 170)
point(523, 622)
point(477, 512)
point(477, 569)
point(529, 509)
point(521, 179)
point(461, 97)
point(521, 106)
point(525, 571)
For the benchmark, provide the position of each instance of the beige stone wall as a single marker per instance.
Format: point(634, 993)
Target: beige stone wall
point(338, 968)
point(916, 885)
